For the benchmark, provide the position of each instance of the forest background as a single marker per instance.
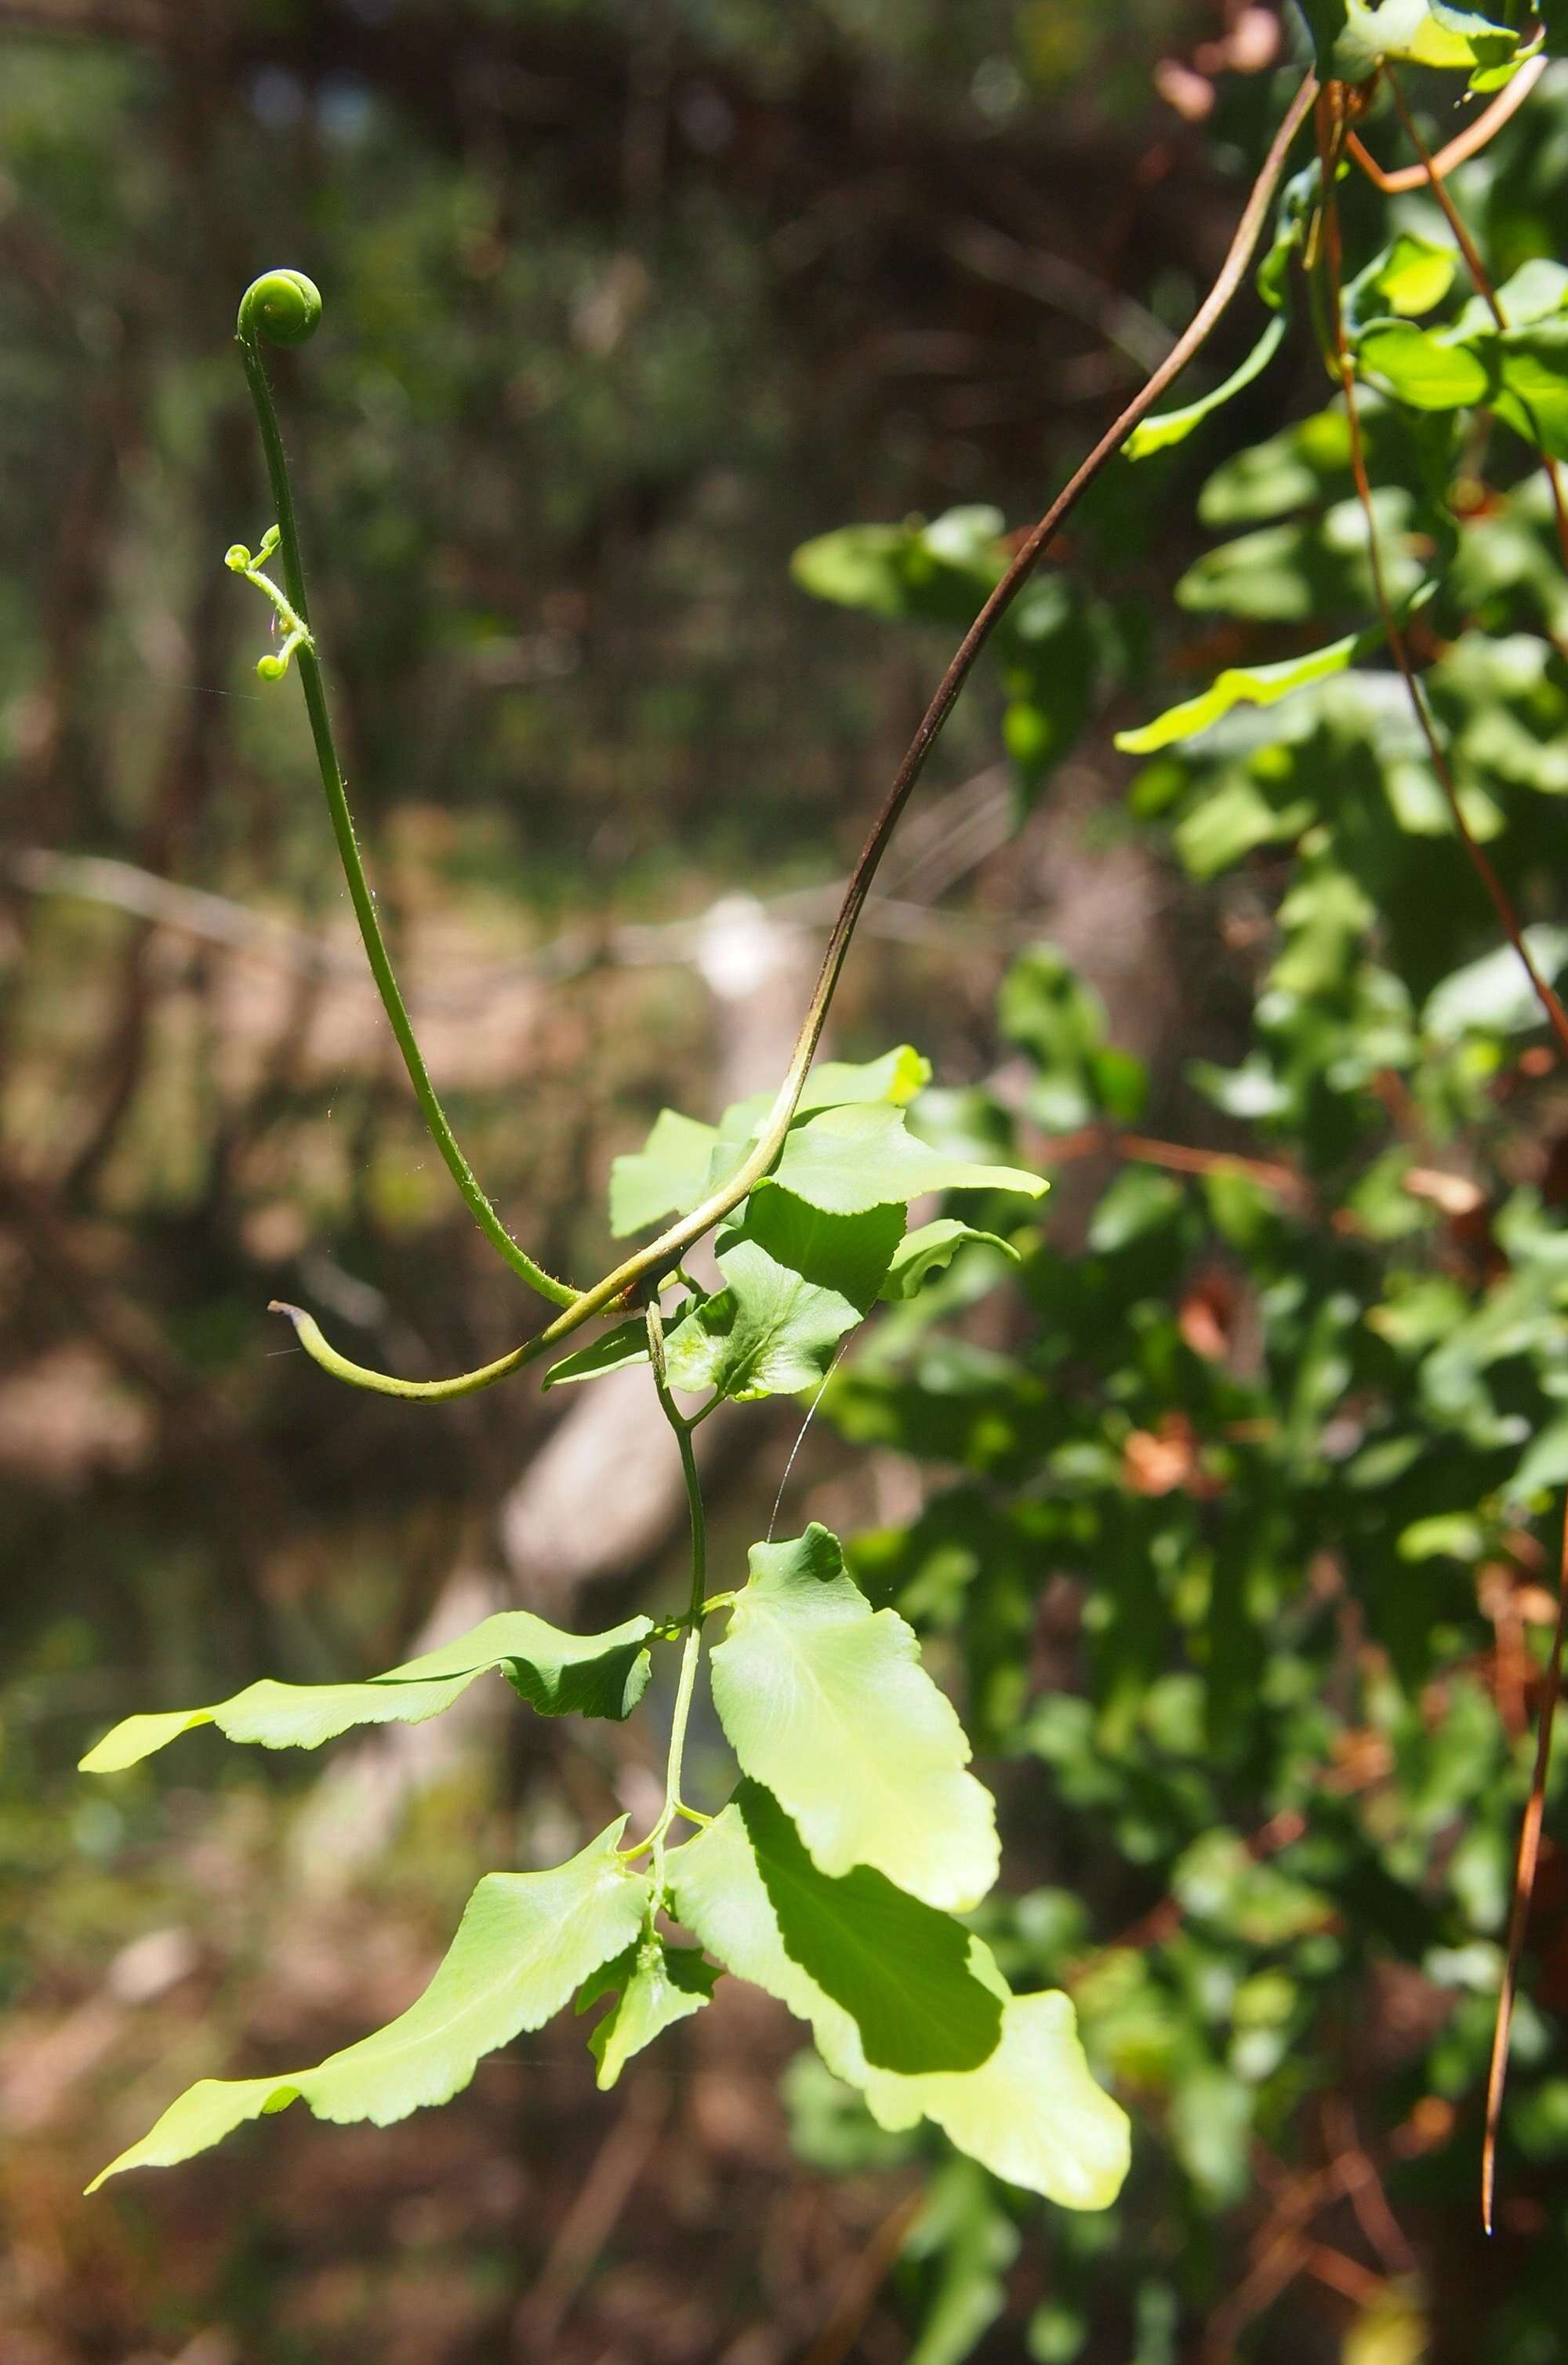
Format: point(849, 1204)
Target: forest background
point(1223, 1516)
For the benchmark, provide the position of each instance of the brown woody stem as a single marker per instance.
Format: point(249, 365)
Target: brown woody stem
point(1465, 144)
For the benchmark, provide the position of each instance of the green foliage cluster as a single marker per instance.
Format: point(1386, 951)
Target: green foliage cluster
point(1280, 1433)
point(857, 1833)
point(1282, 1440)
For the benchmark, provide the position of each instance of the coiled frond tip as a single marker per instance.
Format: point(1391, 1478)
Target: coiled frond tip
point(284, 307)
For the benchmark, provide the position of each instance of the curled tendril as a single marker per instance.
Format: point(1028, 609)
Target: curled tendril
point(296, 631)
point(281, 305)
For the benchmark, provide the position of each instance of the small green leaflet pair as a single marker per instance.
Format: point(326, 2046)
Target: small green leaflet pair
point(830, 1881)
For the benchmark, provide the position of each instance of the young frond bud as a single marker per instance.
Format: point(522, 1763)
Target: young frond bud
point(281, 305)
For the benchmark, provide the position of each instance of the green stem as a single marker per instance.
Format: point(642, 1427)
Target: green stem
point(680, 1720)
point(683, 1428)
point(696, 1610)
point(670, 1246)
point(312, 682)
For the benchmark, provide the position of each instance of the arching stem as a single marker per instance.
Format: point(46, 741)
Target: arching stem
point(559, 1292)
point(1459, 150)
point(661, 1253)
point(1232, 271)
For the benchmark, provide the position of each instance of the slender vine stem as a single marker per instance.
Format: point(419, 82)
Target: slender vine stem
point(283, 308)
point(1232, 272)
point(1557, 1017)
point(661, 1253)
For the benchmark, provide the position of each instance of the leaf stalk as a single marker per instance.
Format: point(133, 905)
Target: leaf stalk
point(697, 1610)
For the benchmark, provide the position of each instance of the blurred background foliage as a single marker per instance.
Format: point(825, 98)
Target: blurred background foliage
point(1228, 1518)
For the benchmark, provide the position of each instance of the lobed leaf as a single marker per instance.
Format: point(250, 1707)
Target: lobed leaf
point(682, 1160)
point(1034, 2115)
point(848, 1160)
point(557, 1673)
point(825, 1701)
point(892, 1991)
point(930, 1250)
point(655, 1985)
point(667, 1176)
point(525, 1942)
